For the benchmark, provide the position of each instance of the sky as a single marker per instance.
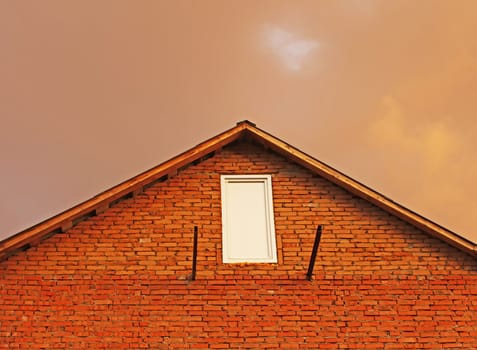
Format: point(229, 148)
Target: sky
point(94, 92)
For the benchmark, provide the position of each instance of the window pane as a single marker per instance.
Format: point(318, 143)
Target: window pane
point(248, 233)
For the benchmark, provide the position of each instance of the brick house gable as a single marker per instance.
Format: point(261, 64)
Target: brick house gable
point(118, 280)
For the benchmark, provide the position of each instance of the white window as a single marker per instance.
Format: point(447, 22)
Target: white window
point(248, 230)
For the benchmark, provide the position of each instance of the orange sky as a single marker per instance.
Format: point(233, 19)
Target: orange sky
point(94, 92)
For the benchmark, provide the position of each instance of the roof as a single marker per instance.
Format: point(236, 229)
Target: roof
point(67, 219)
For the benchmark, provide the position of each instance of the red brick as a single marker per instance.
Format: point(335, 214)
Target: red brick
point(119, 280)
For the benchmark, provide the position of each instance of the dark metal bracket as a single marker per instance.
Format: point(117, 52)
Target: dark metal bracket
point(309, 274)
point(194, 255)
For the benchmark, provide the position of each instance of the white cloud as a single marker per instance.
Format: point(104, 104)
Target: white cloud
point(290, 49)
point(363, 7)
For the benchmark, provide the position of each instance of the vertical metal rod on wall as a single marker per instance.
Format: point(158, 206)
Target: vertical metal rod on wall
point(313, 253)
point(194, 255)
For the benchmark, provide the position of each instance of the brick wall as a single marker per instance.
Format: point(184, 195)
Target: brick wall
point(119, 280)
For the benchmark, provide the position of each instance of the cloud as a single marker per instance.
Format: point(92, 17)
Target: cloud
point(424, 163)
point(434, 143)
point(361, 7)
point(290, 49)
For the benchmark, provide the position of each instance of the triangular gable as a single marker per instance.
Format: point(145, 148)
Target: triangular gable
point(129, 188)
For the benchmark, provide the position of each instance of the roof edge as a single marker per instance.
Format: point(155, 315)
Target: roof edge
point(365, 192)
point(97, 204)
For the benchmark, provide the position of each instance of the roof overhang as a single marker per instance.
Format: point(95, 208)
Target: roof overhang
point(137, 184)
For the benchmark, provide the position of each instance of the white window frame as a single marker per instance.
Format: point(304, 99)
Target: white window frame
point(268, 253)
